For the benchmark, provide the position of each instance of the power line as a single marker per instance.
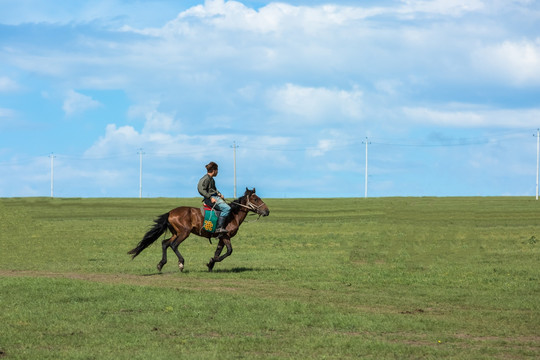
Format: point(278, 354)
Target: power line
point(493, 139)
point(338, 145)
point(448, 142)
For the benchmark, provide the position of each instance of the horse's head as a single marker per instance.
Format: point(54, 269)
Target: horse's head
point(254, 203)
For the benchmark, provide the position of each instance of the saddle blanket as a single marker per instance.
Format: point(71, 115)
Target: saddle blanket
point(210, 219)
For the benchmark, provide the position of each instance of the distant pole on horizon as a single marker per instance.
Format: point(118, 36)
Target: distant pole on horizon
point(52, 174)
point(366, 181)
point(140, 172)
point(537, 158)
point(234, 162)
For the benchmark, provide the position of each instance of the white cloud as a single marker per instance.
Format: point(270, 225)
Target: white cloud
point(465, 117)
point(441, 7)
point(116, 140)
point(6, 113)
point(8, 85)
point(282, 17)
point(155, 138)
point(160, 123)
point(514, 62)
point(275, 17)
point(313, 104)
point(227, 40)
point(323, 146)
point(76, 103)
point(389, 86)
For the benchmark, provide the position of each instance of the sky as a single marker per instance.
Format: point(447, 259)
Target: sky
point(122, 98)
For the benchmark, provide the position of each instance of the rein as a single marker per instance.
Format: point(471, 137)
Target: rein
point(250, 206)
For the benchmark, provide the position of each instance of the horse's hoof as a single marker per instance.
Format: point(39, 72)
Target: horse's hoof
point(159, 267)
point(181, 266)
point(211, 264)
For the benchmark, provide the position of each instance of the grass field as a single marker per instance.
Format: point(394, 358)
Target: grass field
point(398, 278)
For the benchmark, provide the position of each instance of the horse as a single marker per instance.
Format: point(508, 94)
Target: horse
point(185, 220)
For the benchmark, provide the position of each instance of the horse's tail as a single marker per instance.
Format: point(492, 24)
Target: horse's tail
point(161, 224)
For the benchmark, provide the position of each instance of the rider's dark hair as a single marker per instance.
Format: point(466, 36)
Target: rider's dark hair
point(211, 166)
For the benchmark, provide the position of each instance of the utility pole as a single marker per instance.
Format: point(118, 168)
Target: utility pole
point(52, 173)
point(140, 172)
point(234, 161)
point(366, 182)
point(537, 158)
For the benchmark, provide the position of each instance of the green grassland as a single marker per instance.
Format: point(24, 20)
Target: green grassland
point(388, 278)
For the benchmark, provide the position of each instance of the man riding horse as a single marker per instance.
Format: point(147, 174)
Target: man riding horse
point(212, 197)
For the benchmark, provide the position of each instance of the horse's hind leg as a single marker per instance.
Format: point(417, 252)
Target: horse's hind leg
point(164, 245)
point(174, 246)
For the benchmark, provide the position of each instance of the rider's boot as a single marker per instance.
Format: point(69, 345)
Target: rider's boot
point(220, 226)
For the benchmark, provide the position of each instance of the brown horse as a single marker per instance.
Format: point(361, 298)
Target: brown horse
point(185, 220)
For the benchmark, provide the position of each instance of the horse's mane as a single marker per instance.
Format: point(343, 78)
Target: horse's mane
point(234, 205)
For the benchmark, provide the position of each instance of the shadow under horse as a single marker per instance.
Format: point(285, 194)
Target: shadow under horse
point(185, 220)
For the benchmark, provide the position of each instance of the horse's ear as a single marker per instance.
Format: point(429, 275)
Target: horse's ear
point(254, 190)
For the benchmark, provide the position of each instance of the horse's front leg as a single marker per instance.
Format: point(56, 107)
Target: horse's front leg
point(223, 241)
point(219, 249)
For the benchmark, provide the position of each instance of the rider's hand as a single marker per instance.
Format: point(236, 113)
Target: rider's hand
point(213, 200)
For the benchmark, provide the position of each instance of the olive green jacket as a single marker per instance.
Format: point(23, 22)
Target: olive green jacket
point(207, 187)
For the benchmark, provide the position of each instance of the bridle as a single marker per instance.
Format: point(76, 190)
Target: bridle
point(250, 206)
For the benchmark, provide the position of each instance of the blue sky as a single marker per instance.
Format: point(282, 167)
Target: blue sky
point(447, 93)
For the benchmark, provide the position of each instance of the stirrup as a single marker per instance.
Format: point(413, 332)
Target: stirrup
point(221, 231)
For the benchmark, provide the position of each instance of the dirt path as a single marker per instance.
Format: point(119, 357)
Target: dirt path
point(168, 280)
point(198, 282)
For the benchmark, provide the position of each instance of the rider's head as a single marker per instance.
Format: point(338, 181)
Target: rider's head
point(212, 168)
